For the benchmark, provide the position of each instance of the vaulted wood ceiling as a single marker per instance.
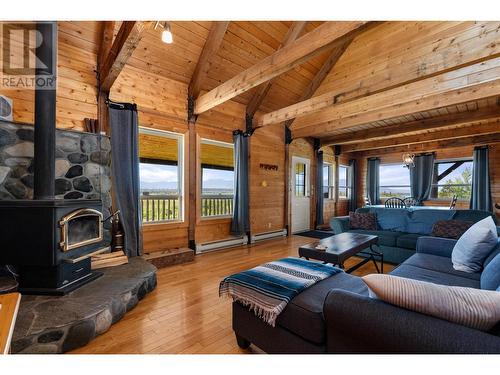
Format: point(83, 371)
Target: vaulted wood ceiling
point(392, 76)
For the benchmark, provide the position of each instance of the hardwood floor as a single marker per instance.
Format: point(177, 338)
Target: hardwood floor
point(184, 314)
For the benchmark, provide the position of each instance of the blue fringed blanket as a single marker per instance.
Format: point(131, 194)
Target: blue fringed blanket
point(268, 288)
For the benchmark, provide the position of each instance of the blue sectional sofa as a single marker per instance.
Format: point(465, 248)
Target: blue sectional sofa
point(399, 229)
point(337, 315)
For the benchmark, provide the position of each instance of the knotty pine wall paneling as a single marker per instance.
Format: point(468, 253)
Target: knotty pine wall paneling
point(267, 187)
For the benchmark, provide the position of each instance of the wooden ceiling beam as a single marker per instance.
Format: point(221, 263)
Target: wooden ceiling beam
point(491, 127)
point(123, 46)
point(478, 81)
point(438, 122)
point(321, 39)
point(108, 28)
point(323, 73)
point(261, 91)
point(321, 108)
point(476, 140)
point(210, 48)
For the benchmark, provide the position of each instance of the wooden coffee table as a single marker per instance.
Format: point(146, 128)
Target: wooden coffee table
point(343, 246)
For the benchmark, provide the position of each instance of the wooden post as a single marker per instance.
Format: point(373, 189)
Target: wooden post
point(288, 140)
point(192, 177)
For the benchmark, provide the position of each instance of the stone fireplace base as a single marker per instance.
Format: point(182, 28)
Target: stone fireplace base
point(52, 324)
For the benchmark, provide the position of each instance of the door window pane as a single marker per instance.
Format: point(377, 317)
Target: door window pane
point(300, 180)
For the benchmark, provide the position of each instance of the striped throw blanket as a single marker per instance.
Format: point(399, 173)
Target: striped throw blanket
point(268, 288)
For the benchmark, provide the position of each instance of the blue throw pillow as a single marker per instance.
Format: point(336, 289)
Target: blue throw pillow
point(474, 246)
point(490, 278)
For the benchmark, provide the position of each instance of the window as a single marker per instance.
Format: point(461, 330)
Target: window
point(160, 174)
point(328, 179)
point(300, 179)
point(343, 182)
point(452, 177)
point(217, 178)
point(394, 180)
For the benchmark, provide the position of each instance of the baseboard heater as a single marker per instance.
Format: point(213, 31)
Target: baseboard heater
point(221, 244)
point(267, 235)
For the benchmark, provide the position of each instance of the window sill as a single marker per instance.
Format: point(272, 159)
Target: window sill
point(211, 218)
point(165, 222)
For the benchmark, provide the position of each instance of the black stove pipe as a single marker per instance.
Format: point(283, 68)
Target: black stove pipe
point(45, 112)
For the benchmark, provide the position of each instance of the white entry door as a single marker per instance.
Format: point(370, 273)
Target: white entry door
point(300, 192)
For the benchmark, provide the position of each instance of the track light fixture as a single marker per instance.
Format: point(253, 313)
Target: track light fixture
point(166, 34)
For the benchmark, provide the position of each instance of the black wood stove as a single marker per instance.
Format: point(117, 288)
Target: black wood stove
point(49, 241)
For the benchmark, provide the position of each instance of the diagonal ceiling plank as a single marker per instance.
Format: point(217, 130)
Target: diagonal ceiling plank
point(262, 90)
point(438, 122)
point(212, 45)
point(324, 37)
point(126, 41)
point(323, 73)
point(491, 127)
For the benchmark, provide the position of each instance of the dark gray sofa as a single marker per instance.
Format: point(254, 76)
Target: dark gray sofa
point(336, 315)
point(399, 229)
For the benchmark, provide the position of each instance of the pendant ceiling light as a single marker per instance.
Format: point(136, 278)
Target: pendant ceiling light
point(166, 34)
point(408, 160)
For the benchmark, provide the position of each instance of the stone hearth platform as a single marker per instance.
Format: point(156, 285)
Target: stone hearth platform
point(50, 324)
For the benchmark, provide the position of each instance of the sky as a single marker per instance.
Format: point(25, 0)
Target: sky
point(157, 176)
point(394, 175)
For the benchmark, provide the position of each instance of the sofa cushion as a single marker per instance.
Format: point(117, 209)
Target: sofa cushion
point(490, 277)
point(474, 246)
point(422, 221)
point(474, 308)
point(393, 219)
point(442, 278)
point(439, 264)
point(359, 220)
point(471, 215)
point(408, 241)
point(385, 237)
point(450, 228)
point(308, 306)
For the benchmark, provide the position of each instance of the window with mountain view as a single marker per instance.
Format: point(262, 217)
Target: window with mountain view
point(394, 181)
point(343, 182)
point(160, 174)
point(217, 180)
point(452, 178)
point(328, 179)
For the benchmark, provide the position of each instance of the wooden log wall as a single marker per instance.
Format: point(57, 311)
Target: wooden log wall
point(77, 84)
point(267, 186)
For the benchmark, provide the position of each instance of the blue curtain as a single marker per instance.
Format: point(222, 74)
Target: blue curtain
point(421, 177)
point(373, 180)
point(125, 172)
point(481, 191)
point(353, 197)
point(240, 223)
point(319, 187)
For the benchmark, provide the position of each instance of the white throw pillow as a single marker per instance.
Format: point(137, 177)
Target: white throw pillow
point(475, 308)
point(474, 246)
